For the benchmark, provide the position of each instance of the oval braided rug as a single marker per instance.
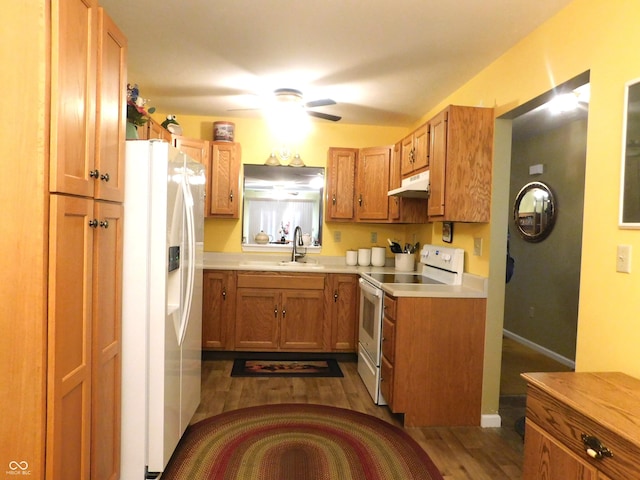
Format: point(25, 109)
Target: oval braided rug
point(298, 442)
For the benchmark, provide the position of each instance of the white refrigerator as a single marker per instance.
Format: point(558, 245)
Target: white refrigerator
point(162, 303)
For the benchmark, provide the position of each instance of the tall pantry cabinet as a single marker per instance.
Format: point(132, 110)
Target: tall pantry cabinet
point(61, 363)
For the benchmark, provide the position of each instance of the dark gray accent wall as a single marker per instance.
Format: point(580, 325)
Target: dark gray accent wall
point(541, 300)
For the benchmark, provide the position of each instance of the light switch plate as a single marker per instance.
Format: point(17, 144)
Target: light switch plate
point(477, 246)
point(623, 259)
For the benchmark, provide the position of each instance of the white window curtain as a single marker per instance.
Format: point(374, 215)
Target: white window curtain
point(279, 218)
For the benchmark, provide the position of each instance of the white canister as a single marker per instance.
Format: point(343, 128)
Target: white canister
point(378, 256)
point(364, 257)
point(405, 262)
point(352, 257)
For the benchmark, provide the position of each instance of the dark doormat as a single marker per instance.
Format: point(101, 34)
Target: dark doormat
point(249, 367)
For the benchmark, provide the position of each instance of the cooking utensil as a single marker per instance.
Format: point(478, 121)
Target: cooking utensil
point(394, 246)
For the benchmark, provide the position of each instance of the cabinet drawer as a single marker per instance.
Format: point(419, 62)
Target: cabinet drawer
point(389, 339)
point(280, 281)
point(386, 381)
point(390, 307)
point(566, 426)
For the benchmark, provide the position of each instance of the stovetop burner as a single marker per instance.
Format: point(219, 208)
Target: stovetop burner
point(405, 278)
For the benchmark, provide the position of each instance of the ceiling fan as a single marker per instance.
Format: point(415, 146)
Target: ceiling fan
point(290, 97)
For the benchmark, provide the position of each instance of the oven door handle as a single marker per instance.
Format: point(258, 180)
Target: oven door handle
point(370, 289)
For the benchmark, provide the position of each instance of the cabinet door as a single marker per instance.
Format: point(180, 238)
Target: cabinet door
point(421, 148)
point(257, 319)
point(438, 162)
point(407, 155)
point(224, 177)
point(344, 305)
point(106, 344)
point(395, 180)
point(372, 169)
point(301, 326)
point(545, 458)
point(74, 39)
point(218, 309)
point(69, 338)
point(111, 112)
point(341, 171)
point(194, 148)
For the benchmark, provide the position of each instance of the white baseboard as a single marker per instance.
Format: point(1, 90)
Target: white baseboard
point(540, 349)
point(490, 421)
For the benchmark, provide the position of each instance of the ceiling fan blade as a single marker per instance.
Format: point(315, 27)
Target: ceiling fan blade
point(324, 116)
point(320, 103)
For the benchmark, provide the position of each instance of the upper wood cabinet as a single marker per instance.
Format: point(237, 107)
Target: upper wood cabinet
point(403, 209)
point(414, 152)
point(111, 111)
point(74, 53)
point(193, 147)
point(461, 153)
point(223, 179)
point(372, 184)
point(341, 174)
point(153, 130)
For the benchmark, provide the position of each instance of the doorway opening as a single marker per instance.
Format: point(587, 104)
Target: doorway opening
point(548, 146)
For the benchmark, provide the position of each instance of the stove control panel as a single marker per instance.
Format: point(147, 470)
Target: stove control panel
point(443, 258)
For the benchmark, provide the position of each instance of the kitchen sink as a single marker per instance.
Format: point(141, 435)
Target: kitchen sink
point(281, 263)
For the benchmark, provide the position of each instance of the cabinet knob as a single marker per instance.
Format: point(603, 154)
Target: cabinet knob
point(595, 448)
point(224, 294)
point(94, 173)
point(333, 199)
point(275, 311)
point(104, 223)
point(231, 195)
point(93, 223)
point(284, 312)
point(105, 177)
point(335, 297)
point(360, 199)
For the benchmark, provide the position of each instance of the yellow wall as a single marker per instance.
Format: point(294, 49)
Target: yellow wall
point(602, 37)
point(595, 35)
point(253, 136)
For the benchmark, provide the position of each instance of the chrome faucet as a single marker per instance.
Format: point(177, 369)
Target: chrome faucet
point(297, 242)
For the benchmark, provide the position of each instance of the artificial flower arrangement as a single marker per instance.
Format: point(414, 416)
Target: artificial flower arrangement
point(136, 112)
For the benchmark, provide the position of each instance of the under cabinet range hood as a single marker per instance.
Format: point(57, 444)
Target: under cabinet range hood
point(416, 186)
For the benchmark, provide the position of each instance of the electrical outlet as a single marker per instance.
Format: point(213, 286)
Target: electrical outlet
point(623, 259)
point(477, 246)
point(374, 237)
point(532, 312)
point(337, 236)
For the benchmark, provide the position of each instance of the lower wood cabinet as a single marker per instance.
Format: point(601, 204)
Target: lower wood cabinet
point(218, 309)
point(289, 317)
point(278, 311)
point(582, 426)
point(432, 355)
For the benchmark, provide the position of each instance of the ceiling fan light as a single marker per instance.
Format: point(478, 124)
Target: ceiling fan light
point(296, 161)
point(272, 161)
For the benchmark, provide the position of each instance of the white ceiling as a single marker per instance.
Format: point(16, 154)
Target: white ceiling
point(384, 62)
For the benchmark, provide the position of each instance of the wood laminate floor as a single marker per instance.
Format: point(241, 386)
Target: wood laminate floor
point(461, 453)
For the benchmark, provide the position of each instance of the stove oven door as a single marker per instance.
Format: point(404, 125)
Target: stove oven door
point(370, 320)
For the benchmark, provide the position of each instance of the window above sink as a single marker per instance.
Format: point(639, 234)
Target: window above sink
point(276, 199)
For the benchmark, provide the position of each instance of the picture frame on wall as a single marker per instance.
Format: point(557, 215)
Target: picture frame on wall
point(447, 232)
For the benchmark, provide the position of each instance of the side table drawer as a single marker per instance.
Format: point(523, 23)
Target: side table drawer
point(566, 426)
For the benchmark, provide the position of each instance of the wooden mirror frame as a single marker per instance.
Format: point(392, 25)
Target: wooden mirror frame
point(535, 223)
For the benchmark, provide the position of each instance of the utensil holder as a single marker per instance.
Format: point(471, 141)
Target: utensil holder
point(405, 262)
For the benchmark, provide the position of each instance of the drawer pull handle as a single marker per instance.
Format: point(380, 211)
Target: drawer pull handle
point(594, 447)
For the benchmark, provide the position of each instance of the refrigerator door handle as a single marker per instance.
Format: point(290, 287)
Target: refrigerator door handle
point(191, 272)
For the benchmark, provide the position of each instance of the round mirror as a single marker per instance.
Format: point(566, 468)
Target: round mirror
point(534, 212)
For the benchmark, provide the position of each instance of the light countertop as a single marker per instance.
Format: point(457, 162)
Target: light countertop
point(473, 286)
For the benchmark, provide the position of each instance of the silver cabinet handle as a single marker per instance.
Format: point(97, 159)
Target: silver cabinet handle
point(93, 223)
point(94, 173)
point(104, 223)
point(105, 177)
